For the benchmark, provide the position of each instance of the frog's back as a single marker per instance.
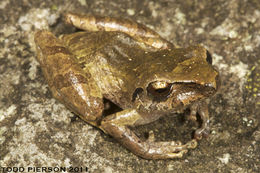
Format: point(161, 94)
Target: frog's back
point(116, 47)
point(111, 58)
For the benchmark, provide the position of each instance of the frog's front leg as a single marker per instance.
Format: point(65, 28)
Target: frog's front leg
point(200, 108)
point(134, 29)
point(117, 125)
point(67, 81)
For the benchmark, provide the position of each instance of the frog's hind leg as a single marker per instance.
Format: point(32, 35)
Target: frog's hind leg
point(136, 30)
point(67, 81)
point(117, 125)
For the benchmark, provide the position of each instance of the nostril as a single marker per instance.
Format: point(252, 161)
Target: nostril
point(218, 82)
point(209, 57)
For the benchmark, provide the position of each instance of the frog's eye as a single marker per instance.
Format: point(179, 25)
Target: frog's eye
point(159, 89)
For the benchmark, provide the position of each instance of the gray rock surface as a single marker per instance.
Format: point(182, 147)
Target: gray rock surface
point(38, 131)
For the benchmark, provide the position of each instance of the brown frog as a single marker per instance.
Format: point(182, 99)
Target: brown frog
point(133, 67)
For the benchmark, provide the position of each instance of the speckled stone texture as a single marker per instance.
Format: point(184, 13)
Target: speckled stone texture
point(38, 131)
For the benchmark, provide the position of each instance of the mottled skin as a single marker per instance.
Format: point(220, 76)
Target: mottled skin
point(133, 67)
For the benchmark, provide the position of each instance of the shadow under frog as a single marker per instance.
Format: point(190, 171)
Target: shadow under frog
point(133, 67)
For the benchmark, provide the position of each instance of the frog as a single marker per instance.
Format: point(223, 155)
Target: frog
point(131, 66)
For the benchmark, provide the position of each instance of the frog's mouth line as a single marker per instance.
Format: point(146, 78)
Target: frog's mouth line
point(204, 89)
point(184, 94)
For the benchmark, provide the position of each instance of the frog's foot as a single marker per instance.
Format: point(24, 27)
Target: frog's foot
point(201, 132)
point(167, 150)
point(202, 110)
point(163, 150)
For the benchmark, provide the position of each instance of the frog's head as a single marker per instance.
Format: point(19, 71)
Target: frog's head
point(189, 78)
